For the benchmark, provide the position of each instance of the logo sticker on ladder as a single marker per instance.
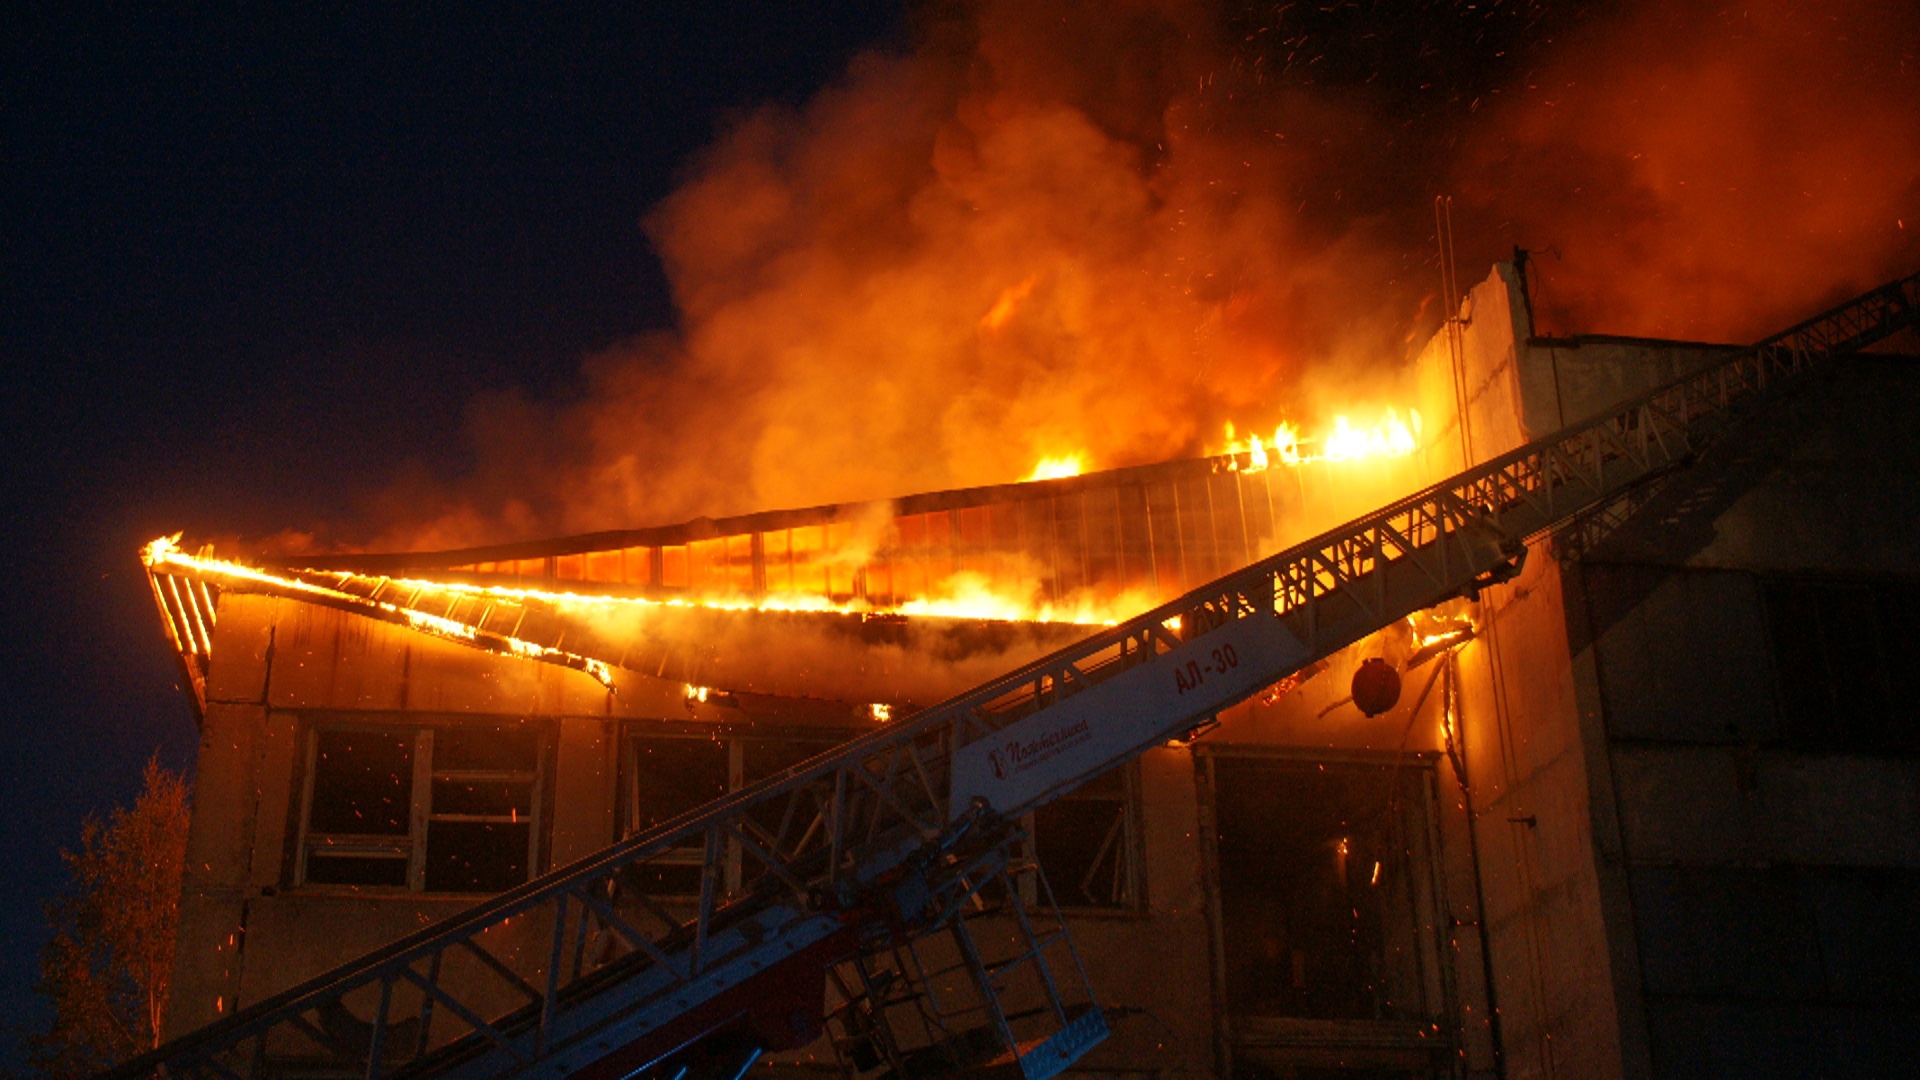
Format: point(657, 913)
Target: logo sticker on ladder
point(1091, 731)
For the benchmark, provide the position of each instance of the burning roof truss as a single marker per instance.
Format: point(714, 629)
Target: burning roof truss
point(1085, 549)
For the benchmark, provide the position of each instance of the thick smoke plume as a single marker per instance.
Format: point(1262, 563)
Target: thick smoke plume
point(1110, 228)
point(1714, 172)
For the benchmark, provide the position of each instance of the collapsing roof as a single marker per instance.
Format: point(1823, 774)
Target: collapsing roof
point(861, 601)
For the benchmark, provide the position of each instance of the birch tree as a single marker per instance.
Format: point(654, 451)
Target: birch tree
point(107, 967)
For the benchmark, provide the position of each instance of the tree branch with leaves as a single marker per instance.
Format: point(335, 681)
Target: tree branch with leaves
point(109, 964)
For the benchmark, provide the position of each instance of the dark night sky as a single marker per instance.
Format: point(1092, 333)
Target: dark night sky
point(253, 260)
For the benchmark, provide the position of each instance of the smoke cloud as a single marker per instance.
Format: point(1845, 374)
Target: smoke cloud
point(1709, 172)
point(1110, 228)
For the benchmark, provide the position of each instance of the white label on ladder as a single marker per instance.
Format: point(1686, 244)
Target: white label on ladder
point(1064, 745)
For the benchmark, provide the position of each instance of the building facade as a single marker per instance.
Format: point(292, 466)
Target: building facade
point(1646, 809)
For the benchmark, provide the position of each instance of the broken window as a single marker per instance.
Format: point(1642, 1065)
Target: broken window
point(1844, 653)
point(1087, 841)
point(434, 809)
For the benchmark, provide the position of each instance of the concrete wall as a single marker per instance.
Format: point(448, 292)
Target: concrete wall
point(1703, 914)
point(1536, 766)
point(246, 933)
point(1480, 364)
point(1566, 380)
point(1542, 834)
point(1773, 886)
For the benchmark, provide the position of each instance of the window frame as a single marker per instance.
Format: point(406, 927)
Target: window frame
point(735, 738)
point(1442, 994)
point(1132, 842)
point(413, 844)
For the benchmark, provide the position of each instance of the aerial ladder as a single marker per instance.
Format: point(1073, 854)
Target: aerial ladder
point(874, 868)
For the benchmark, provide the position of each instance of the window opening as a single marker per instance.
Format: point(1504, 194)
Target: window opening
point(480, 834)
point(360, 807)
point(1326, 901)
point(1088, 843)
point(669, 777)
point(671, 774)
point(1318, 883)
point(433, 809)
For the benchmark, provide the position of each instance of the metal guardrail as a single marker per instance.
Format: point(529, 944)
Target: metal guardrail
point(819, 842)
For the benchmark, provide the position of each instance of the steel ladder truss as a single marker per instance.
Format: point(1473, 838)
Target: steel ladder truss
point(857, 863)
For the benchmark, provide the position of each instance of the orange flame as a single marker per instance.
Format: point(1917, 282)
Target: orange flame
point(165, 555)
point(1057, 468)
point(965, 595)
point(1389, 436)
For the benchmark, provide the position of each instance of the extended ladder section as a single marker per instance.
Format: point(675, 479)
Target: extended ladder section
point(889, 838)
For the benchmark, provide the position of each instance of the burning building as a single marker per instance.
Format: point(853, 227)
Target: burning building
point(1642, 804)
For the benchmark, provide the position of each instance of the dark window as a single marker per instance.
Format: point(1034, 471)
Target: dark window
point(1845, 657)
point(360, 810)
point(669, 775)
point(447, 809)
point(480, 830)
point(368, 777)
point(761, 758)
point(666, 778)
point(485, 749)
point(672, 776)
point(1087, 842)
point(1325, 890)
point(476, 856)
